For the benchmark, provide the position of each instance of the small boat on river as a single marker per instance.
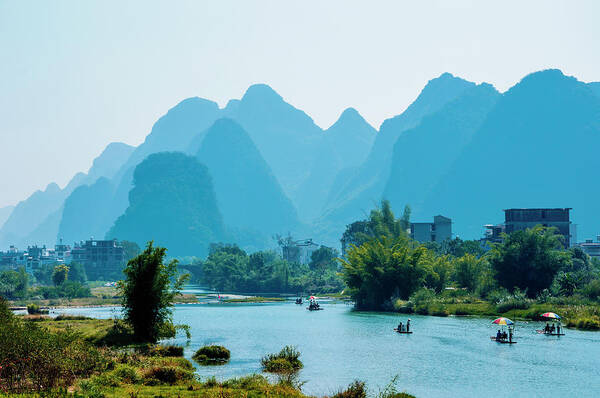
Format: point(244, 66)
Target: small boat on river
point(502, 341)
point(313, 305)
point(556, 329)
point(403, 329)
point(549, 333)
point(502, 337)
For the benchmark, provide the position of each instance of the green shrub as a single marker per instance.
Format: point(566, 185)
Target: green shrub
point(34, 309)
point(356, 389)
point(592, 290)
point(167, 375)
point(126, 374)
point(33, 359)
point(437, 310)
point(212, 354)
point(584, 324)
point(163, 350)
point(274, 363)
point(420, 300)
point(65, 317)
point(108, 379)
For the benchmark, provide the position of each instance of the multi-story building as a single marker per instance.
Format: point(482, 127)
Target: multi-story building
point(100, 257)
point(590, 247)
point(559, 218)
point(437, 231)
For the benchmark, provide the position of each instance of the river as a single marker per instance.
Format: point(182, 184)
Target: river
point(445, 357)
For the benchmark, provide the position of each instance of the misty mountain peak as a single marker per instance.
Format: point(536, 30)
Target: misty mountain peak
point(350, 118)
point(194, 104)
point(261, 92)
point(52, 188)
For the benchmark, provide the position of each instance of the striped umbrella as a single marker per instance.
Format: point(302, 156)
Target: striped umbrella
point(503, 321)
point(550, 315)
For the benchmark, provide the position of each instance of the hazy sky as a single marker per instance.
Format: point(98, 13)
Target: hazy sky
point(76, 75)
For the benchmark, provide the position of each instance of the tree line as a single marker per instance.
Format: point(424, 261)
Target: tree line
point(383, 264)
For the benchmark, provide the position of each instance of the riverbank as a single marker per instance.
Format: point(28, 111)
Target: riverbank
point(576, 316)
point(101, 297)
point(147, 370)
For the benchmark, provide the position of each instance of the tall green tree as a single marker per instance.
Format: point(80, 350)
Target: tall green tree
point(60, 274)
point(384, 268)
point(14, 284)
point(381, 222)
point(468, 269)
point(149, 290)
point(528, 260)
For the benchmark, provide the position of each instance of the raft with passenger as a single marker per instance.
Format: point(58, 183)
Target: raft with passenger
point(403, 328)
point(502, 341)
point(313, 305)
point(554, 330)
point(502, 337)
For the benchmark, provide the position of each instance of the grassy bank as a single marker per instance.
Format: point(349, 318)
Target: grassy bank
point(579, 315)
point(253, 299)
point(101, 296)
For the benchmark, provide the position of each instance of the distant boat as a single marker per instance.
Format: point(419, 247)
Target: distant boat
point(401, 331)
point(549, 333)
point(502, 341)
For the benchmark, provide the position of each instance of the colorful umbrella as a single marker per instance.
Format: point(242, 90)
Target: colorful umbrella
point(312, 297)
point(550, 315)
point(503, 321)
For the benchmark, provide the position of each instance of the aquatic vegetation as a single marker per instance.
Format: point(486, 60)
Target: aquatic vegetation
point(212, 355)
point(285, 361)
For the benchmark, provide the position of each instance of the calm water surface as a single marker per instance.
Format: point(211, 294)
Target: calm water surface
point(445, 357)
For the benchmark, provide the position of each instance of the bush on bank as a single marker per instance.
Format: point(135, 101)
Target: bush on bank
point(285, 361)
point(212, 354)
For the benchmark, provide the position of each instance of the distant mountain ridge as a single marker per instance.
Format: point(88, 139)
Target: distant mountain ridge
point(357, 191)
point(460, 149)
point(536, 148)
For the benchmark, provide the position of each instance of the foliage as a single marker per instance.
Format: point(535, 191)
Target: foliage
point(77, 273)
point(68, 289)
point(167, 375)
point(13, 284)
point(517, 300)
point(60, 274)
point(33, 359)
point(211, 354)
point(229, 268)
point(148, 293)
point(528, 259)
point(285, 361)
point(381, 269)
point(468, 270)
point(356, 389)
point(160, 350)
point(381, 222)
point(34, 309)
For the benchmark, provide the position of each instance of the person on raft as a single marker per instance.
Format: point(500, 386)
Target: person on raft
point(408, 325)
point(400, 326)
point(499, 335)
